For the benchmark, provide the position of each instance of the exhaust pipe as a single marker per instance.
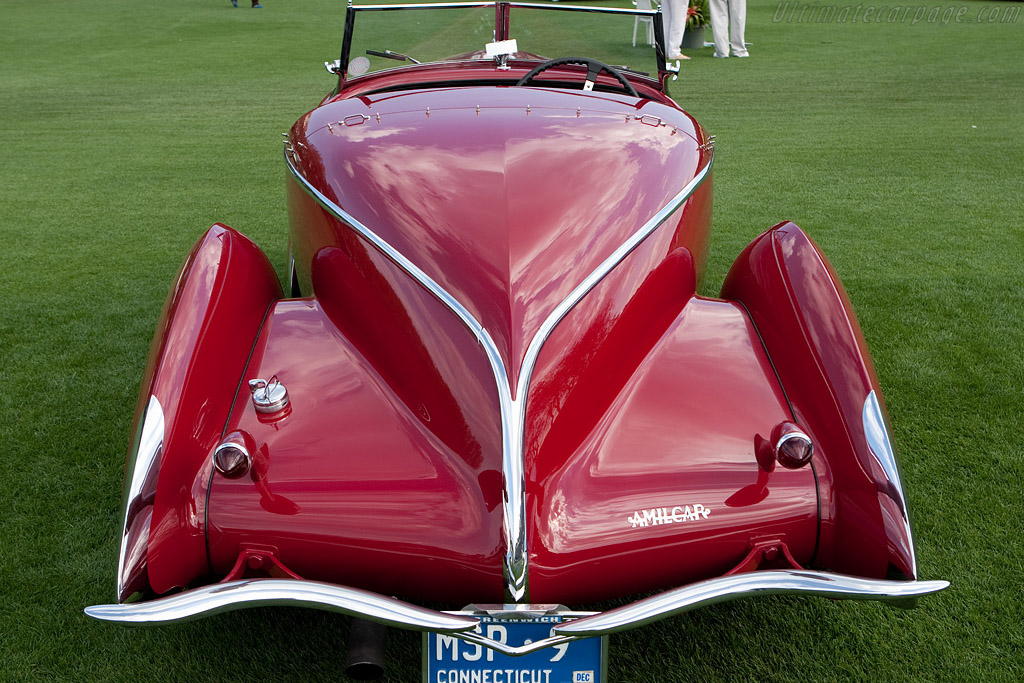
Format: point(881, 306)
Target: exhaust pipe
point(366, 650)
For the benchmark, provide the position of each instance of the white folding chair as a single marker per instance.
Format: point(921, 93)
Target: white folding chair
point(648, 22)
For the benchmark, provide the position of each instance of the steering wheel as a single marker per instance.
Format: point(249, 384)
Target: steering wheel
point(594, 67)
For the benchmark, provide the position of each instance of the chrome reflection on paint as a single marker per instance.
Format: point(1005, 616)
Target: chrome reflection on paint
point(876, 432)
point(513, 409)
point(145, 455)
point(233, 595)
point(775, 582)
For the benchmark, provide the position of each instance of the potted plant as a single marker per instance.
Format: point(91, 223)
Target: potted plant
point(697, 17)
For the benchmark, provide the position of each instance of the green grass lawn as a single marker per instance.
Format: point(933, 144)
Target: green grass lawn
point(129, 126)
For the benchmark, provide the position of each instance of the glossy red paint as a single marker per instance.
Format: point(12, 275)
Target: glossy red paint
point(635, 408)
point(447, 207)
point(650, 416)
point(208, 325)
point(509, 206)
point(407, 471)
point(135, 578)
point(807, 323)
point(371, 480)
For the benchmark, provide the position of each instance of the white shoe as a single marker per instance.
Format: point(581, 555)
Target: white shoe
point(721, 56)
point(738, 54)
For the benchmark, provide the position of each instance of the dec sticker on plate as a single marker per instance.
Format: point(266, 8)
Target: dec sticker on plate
point(449, 660)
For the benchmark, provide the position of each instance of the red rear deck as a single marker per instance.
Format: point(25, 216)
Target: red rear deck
point(361, 486)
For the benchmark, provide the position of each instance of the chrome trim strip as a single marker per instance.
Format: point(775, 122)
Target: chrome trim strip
point(292, 283)
point(234, 595)
point(515, 529)
point(876, 432)
point(616, 257)
point(877, 436)
point(782, 582)
point(146, 449)
point(515, 470)
point(513, 409)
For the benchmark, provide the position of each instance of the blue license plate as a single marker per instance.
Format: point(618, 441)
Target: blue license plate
point(449, 660)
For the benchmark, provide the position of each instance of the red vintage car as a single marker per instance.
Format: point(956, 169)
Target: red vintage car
point(493, 383)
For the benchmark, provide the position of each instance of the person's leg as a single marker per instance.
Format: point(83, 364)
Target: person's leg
point(675, 24)
point(720, 26)
point(667, 12)
point(684, 7)
point(737, 24)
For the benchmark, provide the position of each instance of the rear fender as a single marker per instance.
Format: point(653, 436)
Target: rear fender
point(202, 343)
point(807, 324)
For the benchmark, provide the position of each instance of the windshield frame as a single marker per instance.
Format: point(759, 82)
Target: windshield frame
point(502, 11)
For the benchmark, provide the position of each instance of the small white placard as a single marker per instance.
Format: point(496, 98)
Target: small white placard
point(502, 47)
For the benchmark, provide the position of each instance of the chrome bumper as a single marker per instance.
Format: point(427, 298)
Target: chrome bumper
point(234, 595)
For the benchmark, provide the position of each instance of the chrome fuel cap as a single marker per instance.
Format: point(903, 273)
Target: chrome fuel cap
point(268, 395)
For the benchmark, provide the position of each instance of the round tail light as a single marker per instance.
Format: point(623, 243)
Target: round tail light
point(793, 448)
point(232, 460)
